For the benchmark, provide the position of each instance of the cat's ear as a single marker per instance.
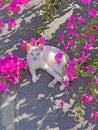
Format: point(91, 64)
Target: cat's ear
point(41, 46)
point(28, 46)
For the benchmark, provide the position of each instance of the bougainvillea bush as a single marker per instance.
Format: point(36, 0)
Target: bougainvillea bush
point(83, 43)
point(11, 69)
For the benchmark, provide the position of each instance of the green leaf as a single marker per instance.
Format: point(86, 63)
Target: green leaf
point(50, 15)
point(56, 7)
point(84, 40)
point(93, 88)
point(80, 90)
point(42, 12)
point(5, 0)
point(85, 74)
point(62, 1)
point(73, 49)
point(63, 71)
point(78, 68)
point(76, 53)
point(90, 60)
point(79, 104)
point(52, 1)
point(78, 40)
point(76, 97)
point(79, 113)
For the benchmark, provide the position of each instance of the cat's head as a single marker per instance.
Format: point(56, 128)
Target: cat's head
point(35, 52)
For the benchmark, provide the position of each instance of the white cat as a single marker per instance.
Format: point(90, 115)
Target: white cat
point(43, 56)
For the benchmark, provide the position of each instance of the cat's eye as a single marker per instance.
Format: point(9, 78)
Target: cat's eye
point(31, 54)
point(38, 54)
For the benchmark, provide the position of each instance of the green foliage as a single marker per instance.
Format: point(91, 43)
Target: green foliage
point(85, 74)
point(63, 71)
point(80, 90)
point(93, 88)
point(79, 113)
point(48, 12)
point(78, 68)
point(79, 104)
point(5, 0)
point(76, 97)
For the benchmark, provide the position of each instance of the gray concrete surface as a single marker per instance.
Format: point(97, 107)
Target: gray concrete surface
point(28, 106)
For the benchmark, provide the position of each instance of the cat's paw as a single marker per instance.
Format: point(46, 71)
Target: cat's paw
point(51, 85)
point(34, 79)
point(62, 87)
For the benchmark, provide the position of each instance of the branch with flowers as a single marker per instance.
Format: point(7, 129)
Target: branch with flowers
point(85, 62)
point(12, 6)
point(47, 13)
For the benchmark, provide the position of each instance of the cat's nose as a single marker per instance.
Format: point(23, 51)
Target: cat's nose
point(34, 58)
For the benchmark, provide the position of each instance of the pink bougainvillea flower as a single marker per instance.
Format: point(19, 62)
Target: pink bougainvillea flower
point(86, 2)
point(21, 2)
point(92, 12)
point(25, 2)
point(96, 26)
point(71, 43)
point(16, 79)
point(71, 72)
point(87, 98)
point(11, 68)
point(96, 81)
point(70, 25)
point(42, 40)
point(61, 36)
point(73, 62)
point(58, 57)
point(2, 4)
point(33, 42)
point(3, 87)
point(66, 83)
point(14, 7)
point(87, 46)
point(81, 19)
point(11, 23)
point(23, 64)
point(71, 18)
point(72, 32)
point(61, 104)
point(91, 69)
point(94, 115)
point(66, 46)
point(77, 35)
point(1, 23)
point(88, 83)
point(91, 38)
point(84, 35)
point(23, 45)
point(84, 56)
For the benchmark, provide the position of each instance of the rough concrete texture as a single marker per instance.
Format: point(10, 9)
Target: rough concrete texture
point(29, 106)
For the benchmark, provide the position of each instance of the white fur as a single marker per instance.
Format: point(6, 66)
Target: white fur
point(44, 57)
